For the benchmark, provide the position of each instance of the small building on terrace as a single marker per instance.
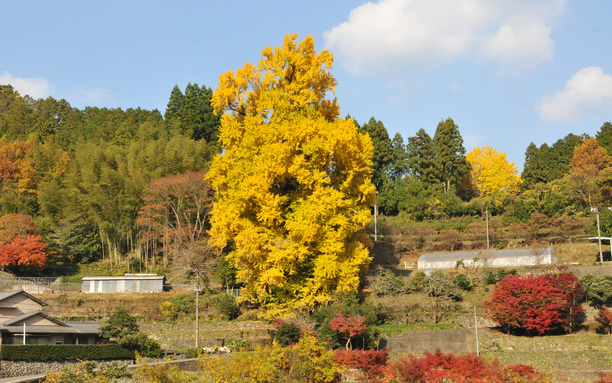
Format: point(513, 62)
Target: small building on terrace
point(488, 258)
point(128, 283)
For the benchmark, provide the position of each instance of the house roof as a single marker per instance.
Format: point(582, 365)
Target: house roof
point(125, 277)
point(65, 328)
point(4, 296)
point(22, 317)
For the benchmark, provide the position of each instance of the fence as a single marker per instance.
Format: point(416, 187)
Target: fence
point(38, 285)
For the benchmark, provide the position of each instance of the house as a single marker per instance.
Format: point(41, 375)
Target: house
point(23, 322)
point(128, 283)
point(488, 258)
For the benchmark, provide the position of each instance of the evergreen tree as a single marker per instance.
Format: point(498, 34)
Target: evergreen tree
point(192, 113)
point(421, 156)
point(604, 137)
point(383, 151)
point(537, 165)
point(450, 164)
point(174, 104)
point(399, 166)
point(560, 155)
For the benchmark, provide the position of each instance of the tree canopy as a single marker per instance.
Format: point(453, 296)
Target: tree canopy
point(491, 173)
point(293, 184)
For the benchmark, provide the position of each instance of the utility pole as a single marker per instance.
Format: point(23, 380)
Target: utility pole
point(487, 221)
point(197, 310)
point(476, 329)
point(596, 210)
point(375, 221)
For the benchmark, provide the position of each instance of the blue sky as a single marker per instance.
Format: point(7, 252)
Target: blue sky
point(508, 72)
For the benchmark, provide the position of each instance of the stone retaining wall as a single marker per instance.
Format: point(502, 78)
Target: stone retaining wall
point(455, 341)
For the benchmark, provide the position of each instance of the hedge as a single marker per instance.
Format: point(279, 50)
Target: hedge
point(41, 353)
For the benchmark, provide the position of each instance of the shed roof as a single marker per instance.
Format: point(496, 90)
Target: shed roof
point(483, 254)
point(125, 277)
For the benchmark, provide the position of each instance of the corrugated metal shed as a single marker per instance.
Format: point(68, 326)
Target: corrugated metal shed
point(129, 283)
point(489, 258)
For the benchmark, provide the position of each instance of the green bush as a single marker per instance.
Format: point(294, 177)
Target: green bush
point(42, 353)
point(287, 334)
point(227, 306)
point(492, 277)
point(463, 282)
point(145, 346)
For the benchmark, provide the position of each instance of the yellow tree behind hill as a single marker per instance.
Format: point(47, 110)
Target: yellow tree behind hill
point(293, 184)
point(491, 173)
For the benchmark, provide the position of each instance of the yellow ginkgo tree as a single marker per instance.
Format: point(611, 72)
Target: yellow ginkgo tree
point(491, 173)
point(293, 183)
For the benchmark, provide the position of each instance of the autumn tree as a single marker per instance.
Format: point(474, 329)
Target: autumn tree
point(348, 326)
point(293, 184)
point(491, 173)
point(20, 245)
point(604, 318)
point(175, 217)
point(587, 163)
point(537, 304)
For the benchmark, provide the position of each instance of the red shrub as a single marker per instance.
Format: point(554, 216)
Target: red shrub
point(370, 363)
point(604, 318)
point(604, 378)
point(537, 304)
point(439, 367)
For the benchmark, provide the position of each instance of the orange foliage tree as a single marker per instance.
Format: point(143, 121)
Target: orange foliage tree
point(19, 243)
point(588, 161)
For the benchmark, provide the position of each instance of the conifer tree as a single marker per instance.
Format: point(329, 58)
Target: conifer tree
point(450, 163)
point(421, 156)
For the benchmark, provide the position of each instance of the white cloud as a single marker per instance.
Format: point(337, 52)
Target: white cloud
point(94, 95)
point(589, 87)
point(33, 87)
point(397, 33)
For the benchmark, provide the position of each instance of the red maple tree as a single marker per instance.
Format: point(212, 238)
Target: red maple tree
point(29, 250)
point(539, 304)
point(348, 327)
point(19, 243)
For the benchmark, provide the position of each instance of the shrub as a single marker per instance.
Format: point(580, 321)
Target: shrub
point(42, 353)
point(537, 303)
point(227, 306)
point(604, 318)
point(308, 361)
point(287, 333)
point(494, 277)
point(145, 346)
point(463, 282)
point(439, 367)
point(369, 363)
point(598, 289)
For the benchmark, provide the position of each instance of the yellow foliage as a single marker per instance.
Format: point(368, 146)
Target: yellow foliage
point(491, 173)
point(308, 361)
point(293, 184)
